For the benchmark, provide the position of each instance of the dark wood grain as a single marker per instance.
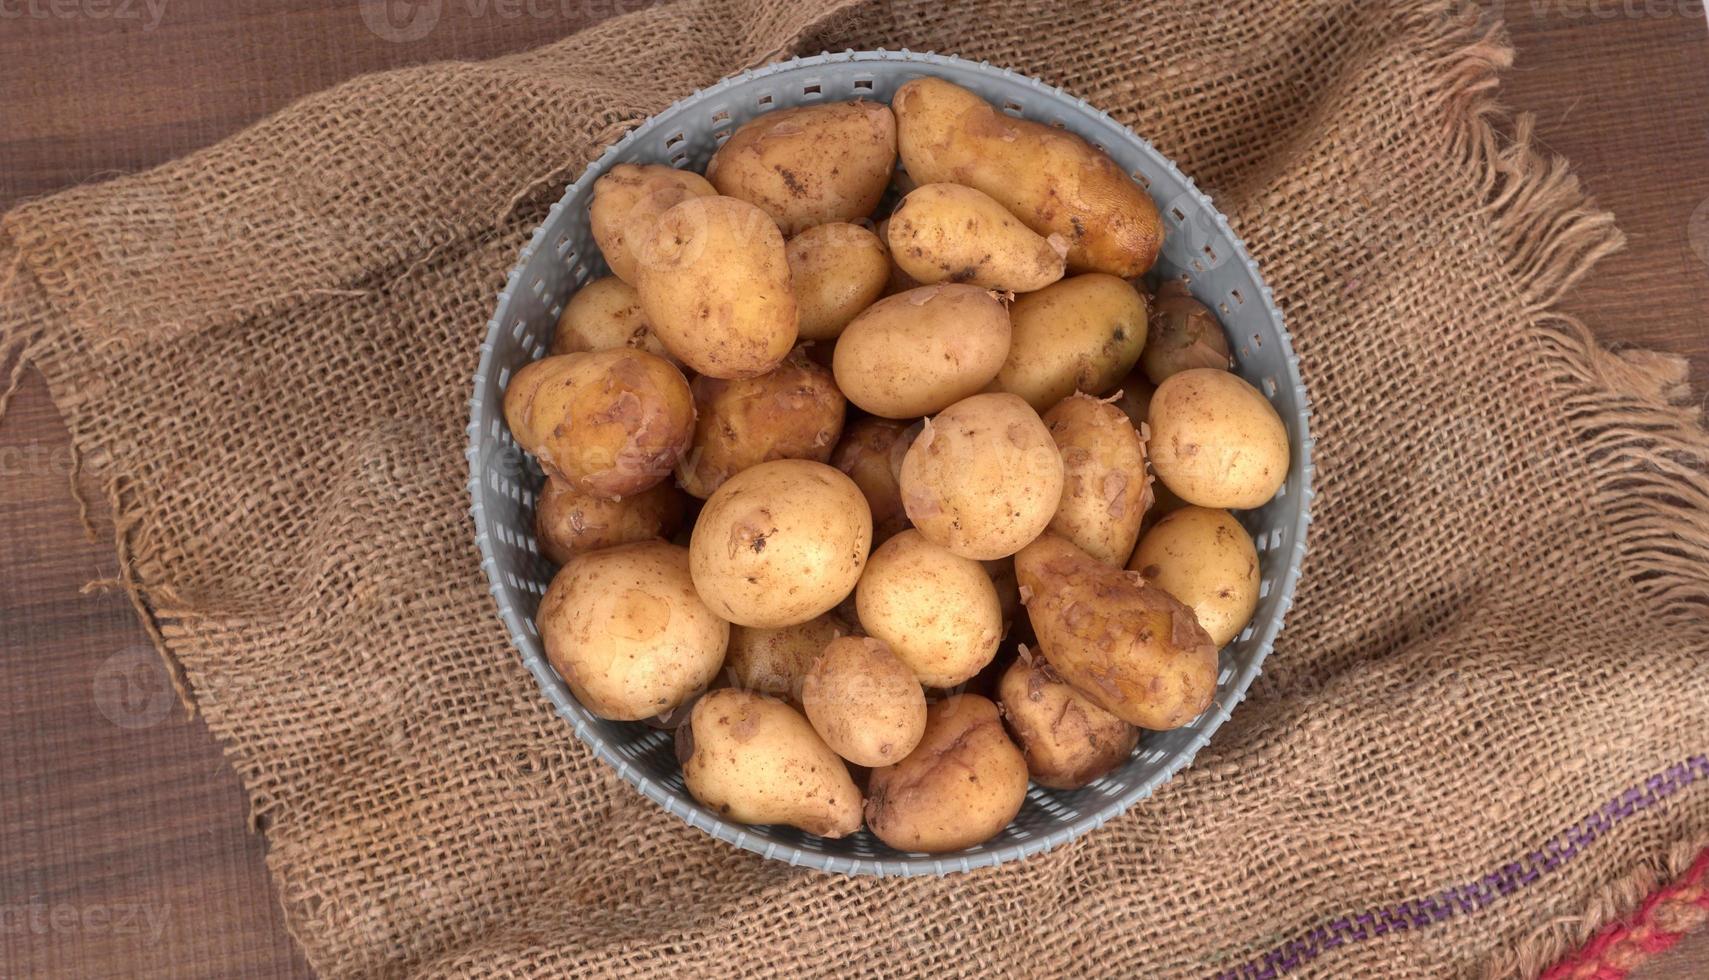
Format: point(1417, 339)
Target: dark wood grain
point(124, 847)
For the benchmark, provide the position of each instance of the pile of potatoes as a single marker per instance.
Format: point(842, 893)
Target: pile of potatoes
point(805, 469)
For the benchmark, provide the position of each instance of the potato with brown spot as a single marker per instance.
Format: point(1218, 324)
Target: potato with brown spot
point(810, 165)
point(780, 543)
point(1132, 648)
point(625, 629)
point(983, 478)
point(1204, 558)
point(939, 612)
point(605, 314)
point(1051, 179)
point(1068, 740)
point(714, 284)
point(1081, 334)
point(609, 423)
point(917, 352)
point(755, 760)
point(871, 454)
point(1216, 440)
point(776, 661)
point(1185, 334)
point(1105, 489)
point(951, 233)
point(793, 411)
point(960, 786)
point(864, 702)
point(567, 523)
point(837, 271)
point(627, 203)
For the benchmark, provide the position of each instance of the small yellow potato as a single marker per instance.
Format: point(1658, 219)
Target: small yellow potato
point(983, 478)
point(605, 314)
point(793, 411)
point(1132, 648)
point(780, 543)
point(627, 203)
point(939, 612)
point(837, 270)
point(1204, 558)
point(871, 454)
point(1216, 441)
point(776, 661)
point(1054, 181)
point(810, 165)
point(1185, 334)
point(714, 284)
point(567, 523)
point(960, 786)
point(951, 233)
point(1105, 489)
point(625, 629)
point(864, 702)
point(609, 423)
point(917, 352)
point(755, 760)
point(1081, 334)
point(1068, 740)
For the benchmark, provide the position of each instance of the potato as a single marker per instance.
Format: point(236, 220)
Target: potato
point(715, 286)
point(899, 282)
point(810, 165)
point(871, 454)
point(837, 270)
point(793, 411)
point(627, 203)
point(938, 611)
point(1068, 741)
point(983, 478)
point(1130, 647)
point(775, 661)
point(960, 786)
point(1185, 334)
point(864, 702)
point(755, 760)
point(918, 352)
point(625, 629)
point(951, 233)
point(1105, 489)
point(1081, 334)
point(1053, 180)
point(1216, 441)
point(780, 543)
point(1204, 558)
point(605, 314)
point(567, 523)
point(609, 423)
point(1135, 398)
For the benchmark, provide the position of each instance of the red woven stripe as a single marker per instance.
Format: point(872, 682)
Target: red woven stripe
point(1663, 920)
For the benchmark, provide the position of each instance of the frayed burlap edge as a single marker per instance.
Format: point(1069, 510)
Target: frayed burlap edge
point(1646, 449)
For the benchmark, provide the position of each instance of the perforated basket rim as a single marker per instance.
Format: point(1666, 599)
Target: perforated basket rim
point(900, 864)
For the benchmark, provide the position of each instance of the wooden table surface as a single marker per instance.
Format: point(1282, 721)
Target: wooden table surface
point(124, 847)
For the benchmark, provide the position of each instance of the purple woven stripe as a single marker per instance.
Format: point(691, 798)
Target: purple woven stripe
point(1417, 913)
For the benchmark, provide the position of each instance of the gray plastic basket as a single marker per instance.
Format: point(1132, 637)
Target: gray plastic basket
point(561, 256)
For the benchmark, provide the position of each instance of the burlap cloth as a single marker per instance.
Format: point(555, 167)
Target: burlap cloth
point(1481, 734)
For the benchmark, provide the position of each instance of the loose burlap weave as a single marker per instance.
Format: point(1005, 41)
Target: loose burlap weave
point(1480, 736)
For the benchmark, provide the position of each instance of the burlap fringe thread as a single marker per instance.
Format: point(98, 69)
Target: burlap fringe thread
point(1646, 452)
